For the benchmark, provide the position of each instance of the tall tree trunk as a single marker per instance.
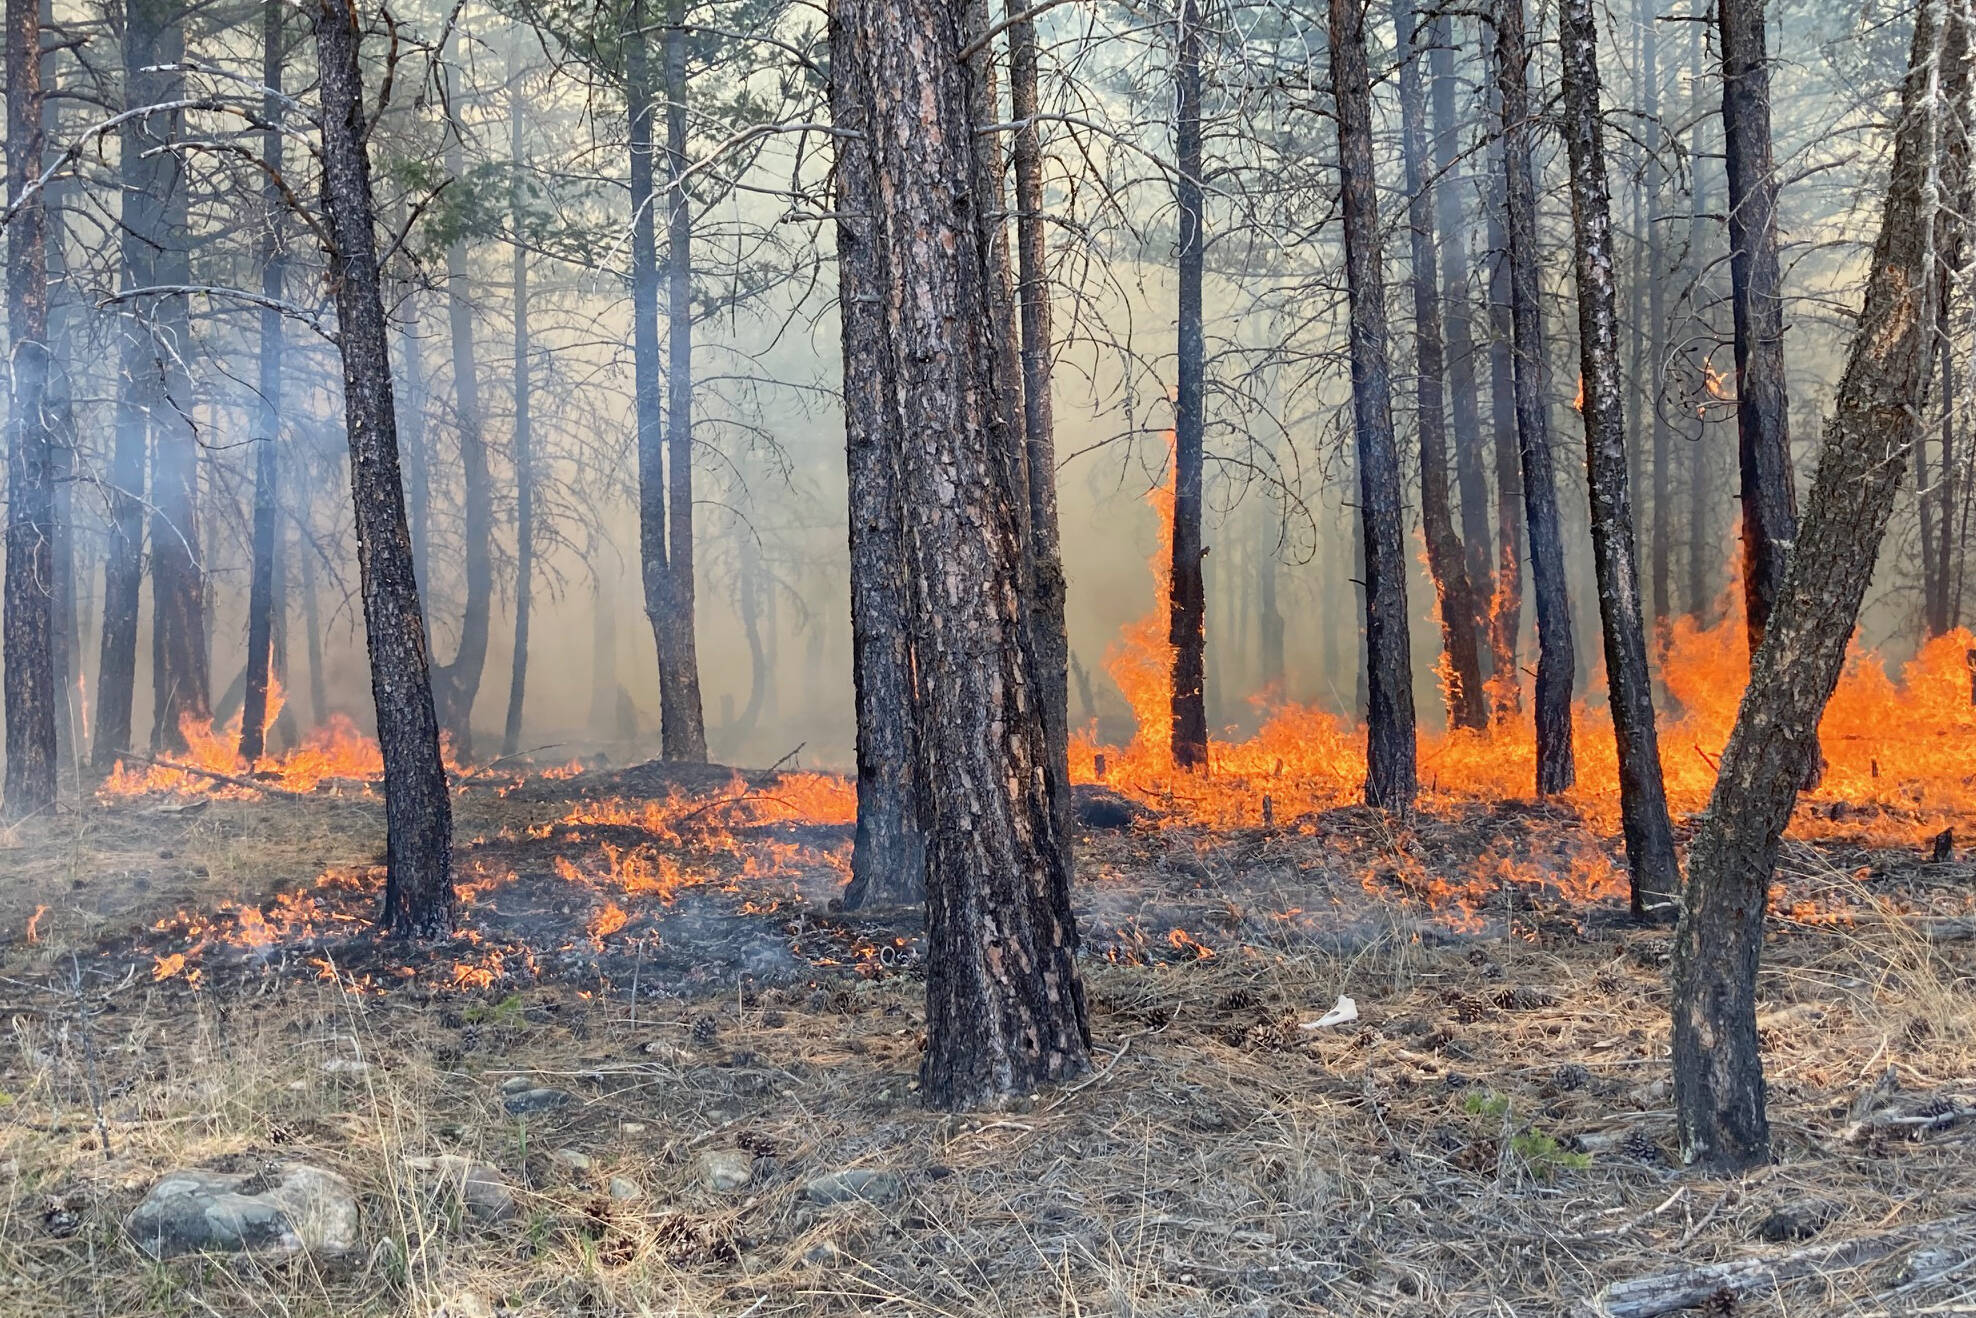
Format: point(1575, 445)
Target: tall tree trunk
point(1047, 587)
point(683, 730)
point(648, 386)
point(1269, 614)
point(1506, 604)
point(456, 685)
point(312, 632)
point(1654, 382)
point(267, 466)
point(1390, 779)
point(888, 857)
point(1004, 1005)
point(1700, 568)
point(64, 315)
point(1555, 660)
point(1187, 593)
point(1940, 616)
point(180, 682)
point(29, 622)
point(1655, 873)
point(1446, 557)
point(146, 177)
point(1457, 310)
point(1875, 420)
point(418, 889)
point(1763, 430)
point(524, 445)
point(412, 441)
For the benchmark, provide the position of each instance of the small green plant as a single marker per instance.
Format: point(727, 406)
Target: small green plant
point(1540, 1152)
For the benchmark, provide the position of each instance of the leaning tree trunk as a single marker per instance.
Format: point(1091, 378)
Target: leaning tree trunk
point(456, 685)
point(1004, 1005)
point(267, 466)
point(1047, 586)
point(1655, 873)
point(1552, 702)
point(888, 857)
point(1763, 431)
point(1446, 557)
point(1875, 421)
point(29, 612)
point(1390, 779)
point(1457, 311)
point(524, 440)
point(683, 730)
point(418, 889)
point(1187, 593)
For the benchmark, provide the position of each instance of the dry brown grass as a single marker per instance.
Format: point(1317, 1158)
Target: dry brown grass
point(1218, 1161)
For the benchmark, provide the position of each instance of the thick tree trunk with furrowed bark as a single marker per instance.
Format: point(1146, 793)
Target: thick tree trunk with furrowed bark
point(27, 629)
point(1555, 661)
point(1390, 780)
point(1446, 557)
point(1655, 873)
point(888, 857)
point(1875, 422)
point(418, 890)
point(1004, 1006)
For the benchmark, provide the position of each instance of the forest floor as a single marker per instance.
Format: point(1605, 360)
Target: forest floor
point(664, 1048)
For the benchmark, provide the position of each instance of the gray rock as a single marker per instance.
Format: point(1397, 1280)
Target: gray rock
point(852, 1183)
point(573, 1159)
point(482, 1191)
point(625, 1190)
point(724, 1169)
point(284, 1210)
point(517, 1084)
point(528, 1101)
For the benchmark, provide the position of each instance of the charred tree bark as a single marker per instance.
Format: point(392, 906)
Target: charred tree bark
point(27, 633)
point(1654, 872)
point(267, 462)
point(1390, 780)
point(683, 727)
point(456, 685)
point(64, 315)
point(1763, 430)
point(1047, 585)
point(1187, 593)
point(1458, 307)
point(418, 889)
point(1506, 604)
point(1555, 661)
point(180, 682)
point(1446, 557)
point(888, 857)
point(524, 454)
point(1004, 1005)
point(1875, 421)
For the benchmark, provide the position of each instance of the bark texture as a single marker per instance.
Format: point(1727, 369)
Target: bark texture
point(1391, 777)
point(1005, 1009)
point(1763, 429)
point(1447, 559)
point(1187, 594)
point(418, 890)
point(1875, 422)
point(267, 427)
point(1555, 660)
point(1655, 874)
point(27, 633)
point(888, 857)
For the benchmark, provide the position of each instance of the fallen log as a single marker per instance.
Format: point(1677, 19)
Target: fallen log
point(1685, 1287)
point(215, 776)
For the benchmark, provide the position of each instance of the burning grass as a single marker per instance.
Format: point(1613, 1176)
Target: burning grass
point(1491, 1135)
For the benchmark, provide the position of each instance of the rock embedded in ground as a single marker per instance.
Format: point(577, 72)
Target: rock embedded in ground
point(724, 1169)
point(529, 1101)
point(625, 1190)
point(285, 1210)
point(482, 1190)
point(573, 1159)
point(852, 1183)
